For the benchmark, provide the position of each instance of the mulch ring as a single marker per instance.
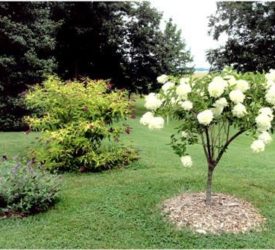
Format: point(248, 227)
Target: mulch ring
point(227, 214)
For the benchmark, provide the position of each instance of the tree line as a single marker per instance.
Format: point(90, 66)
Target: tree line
point(119, 41)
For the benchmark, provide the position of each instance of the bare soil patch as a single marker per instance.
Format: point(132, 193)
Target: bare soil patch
point(227, 214)
point(10, 214)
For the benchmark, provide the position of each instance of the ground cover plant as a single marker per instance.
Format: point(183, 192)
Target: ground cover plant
point(80, 124)
point(25, 189)
point(120, 208)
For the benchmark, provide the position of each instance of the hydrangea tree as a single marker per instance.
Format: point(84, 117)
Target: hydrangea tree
point(214, 110)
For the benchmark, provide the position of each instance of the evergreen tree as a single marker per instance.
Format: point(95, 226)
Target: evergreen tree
point(26, 45)
point(89, 38)
point(175, 57)
point(120, 41)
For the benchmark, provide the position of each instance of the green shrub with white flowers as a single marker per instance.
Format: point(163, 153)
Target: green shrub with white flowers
point(214, 110)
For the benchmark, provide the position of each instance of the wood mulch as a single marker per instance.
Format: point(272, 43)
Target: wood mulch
point(227, 214)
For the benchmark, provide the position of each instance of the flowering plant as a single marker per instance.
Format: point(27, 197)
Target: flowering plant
point(214, 110)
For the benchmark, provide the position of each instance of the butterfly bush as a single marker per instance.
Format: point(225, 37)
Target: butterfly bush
point(214, 110)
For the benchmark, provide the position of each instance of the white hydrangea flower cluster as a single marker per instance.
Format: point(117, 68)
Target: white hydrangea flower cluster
point(205, 117)
point(270, 86)
point(184, 134)
point(270, 78)
point(183, 89)
point(228, 94)
point(162, 79)
point(236, 96)
point(156, 123)
point(186, 105)
point(186, 161)
point(265, 137)
point(242, 85)
point(265, 116)
point(239, 110)
point(152, 101)
point(184, 80)
point(167, 87)
point(148, 119)
point(263, 122)
point(230, 79)
point(271, 75)
point(257, 146)
point(222, 103)
point(219, 106)
point(270, 94)
point(217, 87)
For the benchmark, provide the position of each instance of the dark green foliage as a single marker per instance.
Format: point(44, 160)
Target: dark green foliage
point(174, 56)
point(89, 39)
point(25, 189)
point(250, 28)
point(121, 41)
point(149, 51)
point(26, 45)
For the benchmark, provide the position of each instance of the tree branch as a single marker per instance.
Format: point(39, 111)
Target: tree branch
point(204, 146)
point(213, 141)
point(208, 145)
point(227, 144)
point(228, 131)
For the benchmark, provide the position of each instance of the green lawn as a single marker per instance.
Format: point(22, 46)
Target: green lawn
point(120, 208)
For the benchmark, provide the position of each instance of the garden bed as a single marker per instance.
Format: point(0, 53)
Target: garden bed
point(227, 214)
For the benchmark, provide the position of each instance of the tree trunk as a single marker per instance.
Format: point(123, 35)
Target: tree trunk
point(209, 185)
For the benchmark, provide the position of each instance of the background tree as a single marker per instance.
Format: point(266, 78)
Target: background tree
point(26, 45)
point(121, 41)
point(89, 38)
point(250, 28)
point(175, 57)
point(149, 51)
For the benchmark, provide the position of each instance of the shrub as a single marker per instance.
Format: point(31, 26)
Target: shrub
point(26, 189)
point(215, 109)
point(81, 124)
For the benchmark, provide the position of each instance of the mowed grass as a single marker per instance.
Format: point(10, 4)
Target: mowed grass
point(121, 208)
